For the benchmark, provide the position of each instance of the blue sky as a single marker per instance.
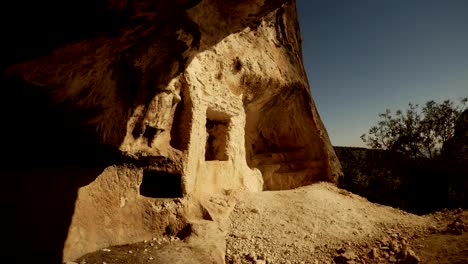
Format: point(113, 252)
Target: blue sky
point(364, 56)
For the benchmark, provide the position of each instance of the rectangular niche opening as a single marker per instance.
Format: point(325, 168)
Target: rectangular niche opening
point(160, 184)
point(217, 136)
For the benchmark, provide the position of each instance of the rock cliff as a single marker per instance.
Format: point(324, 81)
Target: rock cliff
point(119, 114)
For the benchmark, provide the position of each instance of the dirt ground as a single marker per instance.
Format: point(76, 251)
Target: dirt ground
point(314, 224)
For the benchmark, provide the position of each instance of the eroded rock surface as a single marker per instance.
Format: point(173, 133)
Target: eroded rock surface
point(121, 114)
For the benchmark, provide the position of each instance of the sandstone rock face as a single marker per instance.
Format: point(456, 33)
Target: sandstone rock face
point(127, 110)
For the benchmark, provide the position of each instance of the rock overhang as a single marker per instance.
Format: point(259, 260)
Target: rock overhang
point(151, 87)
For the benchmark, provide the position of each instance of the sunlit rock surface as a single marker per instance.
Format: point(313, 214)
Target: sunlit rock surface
point(119, 113)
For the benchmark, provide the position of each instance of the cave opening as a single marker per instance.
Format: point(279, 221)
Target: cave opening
point(161, 184)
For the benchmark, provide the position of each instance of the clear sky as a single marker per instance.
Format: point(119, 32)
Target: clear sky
point(364, 56)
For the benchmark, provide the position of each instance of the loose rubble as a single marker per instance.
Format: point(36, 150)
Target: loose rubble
point(318, 225)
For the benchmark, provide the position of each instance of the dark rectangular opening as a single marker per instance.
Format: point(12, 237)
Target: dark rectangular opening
point(160, 184)
point(217, 139)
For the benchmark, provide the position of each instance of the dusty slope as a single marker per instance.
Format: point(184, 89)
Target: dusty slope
point(314, 224)
point(324, 224)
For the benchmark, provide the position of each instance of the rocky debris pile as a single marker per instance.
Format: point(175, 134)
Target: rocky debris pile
point(397, 247)
point(453, 222)
point(346, 256)
point(264, 231)
point(317, 224)
point(392, 249)
point(249, 258)
point(457, 227)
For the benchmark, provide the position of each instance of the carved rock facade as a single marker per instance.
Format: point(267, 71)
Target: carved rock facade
point(120, 121)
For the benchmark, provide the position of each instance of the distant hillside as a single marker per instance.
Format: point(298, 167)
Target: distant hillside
point(374, 174)
point(419, 186)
